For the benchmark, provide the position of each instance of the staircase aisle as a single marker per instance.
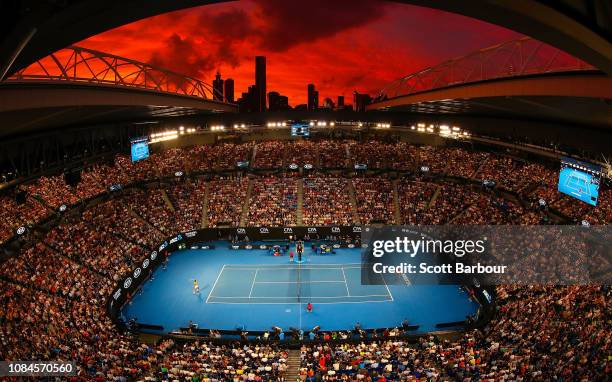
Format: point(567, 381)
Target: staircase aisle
point(300, 201)
point(205, 206)
point(434, 196)
point(396, 204)
point(293, 366)
point(166, 198)
point(353, 199)
point(245, 207)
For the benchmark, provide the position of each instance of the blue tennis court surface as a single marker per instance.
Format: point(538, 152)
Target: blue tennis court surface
point(578, 184)
point(294, 284)
point(253, 290)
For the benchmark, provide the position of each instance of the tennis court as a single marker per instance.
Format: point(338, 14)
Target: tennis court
point(577, 182)
point(254, 290)
point(294, 284)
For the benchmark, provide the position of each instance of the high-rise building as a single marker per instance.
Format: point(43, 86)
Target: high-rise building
point(315, 100)
point(311, 92)
point(248, 102)
point(260, 82)
point(339, 104)
point(328, 104)
point(218, 88)
point(277, 102)
point(360, 101)
point(229, 90)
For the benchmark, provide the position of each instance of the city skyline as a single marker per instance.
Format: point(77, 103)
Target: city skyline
point(335, 45)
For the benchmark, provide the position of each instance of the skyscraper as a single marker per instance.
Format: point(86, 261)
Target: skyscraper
point(277, 102)
point(218, 88)
point(339, 104)
point(260, 83)
point(311, 91)
point(360, 101)
point(229, 90)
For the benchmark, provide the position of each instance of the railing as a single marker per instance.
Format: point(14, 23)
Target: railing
point(82, 65)
point(522, 57)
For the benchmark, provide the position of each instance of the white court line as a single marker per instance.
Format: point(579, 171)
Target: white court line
point(324, 266)
point(253, 284)
point(301, 282)
point(215, 284)
point(348, 294)
point(386, 286)
point(277, 268)
point(299, 303)
point(284, 266)
point(343, 296)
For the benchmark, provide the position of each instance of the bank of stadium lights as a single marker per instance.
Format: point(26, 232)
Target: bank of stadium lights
point(277, 124)
point(383, 125)
point(163, 136)
point(239, 126)
point(217, 128)
point(190, 130)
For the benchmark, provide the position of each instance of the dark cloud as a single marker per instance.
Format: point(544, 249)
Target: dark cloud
point(271, 25)
point(233, 24)
point(182, 55)
point(288, 23)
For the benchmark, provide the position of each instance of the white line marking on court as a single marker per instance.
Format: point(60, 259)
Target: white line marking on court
point(386, 286)
point(348, 294)
point(253, 284)
point(215, 284)
point(285, 266)
point(301, 282)
point(299, 303)
point(277, 268)
point(343, 296)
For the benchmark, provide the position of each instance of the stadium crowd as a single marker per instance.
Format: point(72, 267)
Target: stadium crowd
point(53, 294)
point(541, 333)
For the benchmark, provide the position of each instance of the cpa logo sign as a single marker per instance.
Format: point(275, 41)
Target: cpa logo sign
point(335, 229)
point(21, 230)
point(356, 229)
point(127, 283)
point(241, 231)
point(191, 233)
point(117, 294)
point(287, 230)
point(264, 230)
point(153, 255)
point(312, 230)
point(145, 264)
point(137, 272)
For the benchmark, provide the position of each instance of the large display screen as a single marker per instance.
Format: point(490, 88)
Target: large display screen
point(140, 149)
point(579, 180)
point(300, 130)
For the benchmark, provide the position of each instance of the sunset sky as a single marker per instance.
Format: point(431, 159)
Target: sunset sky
point(339, 45)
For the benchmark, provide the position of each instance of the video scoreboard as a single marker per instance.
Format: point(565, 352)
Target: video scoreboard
point(580, 180)
point(140, 149)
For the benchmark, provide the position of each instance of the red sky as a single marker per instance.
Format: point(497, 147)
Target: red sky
point(339, 45)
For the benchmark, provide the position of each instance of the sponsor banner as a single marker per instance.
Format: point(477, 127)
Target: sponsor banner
point(486, 255)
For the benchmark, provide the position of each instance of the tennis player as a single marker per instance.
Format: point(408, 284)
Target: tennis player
point(196, 287)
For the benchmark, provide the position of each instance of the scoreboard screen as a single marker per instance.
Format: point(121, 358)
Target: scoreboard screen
point(579, 180)
point(140, 149)
point(300, 130)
